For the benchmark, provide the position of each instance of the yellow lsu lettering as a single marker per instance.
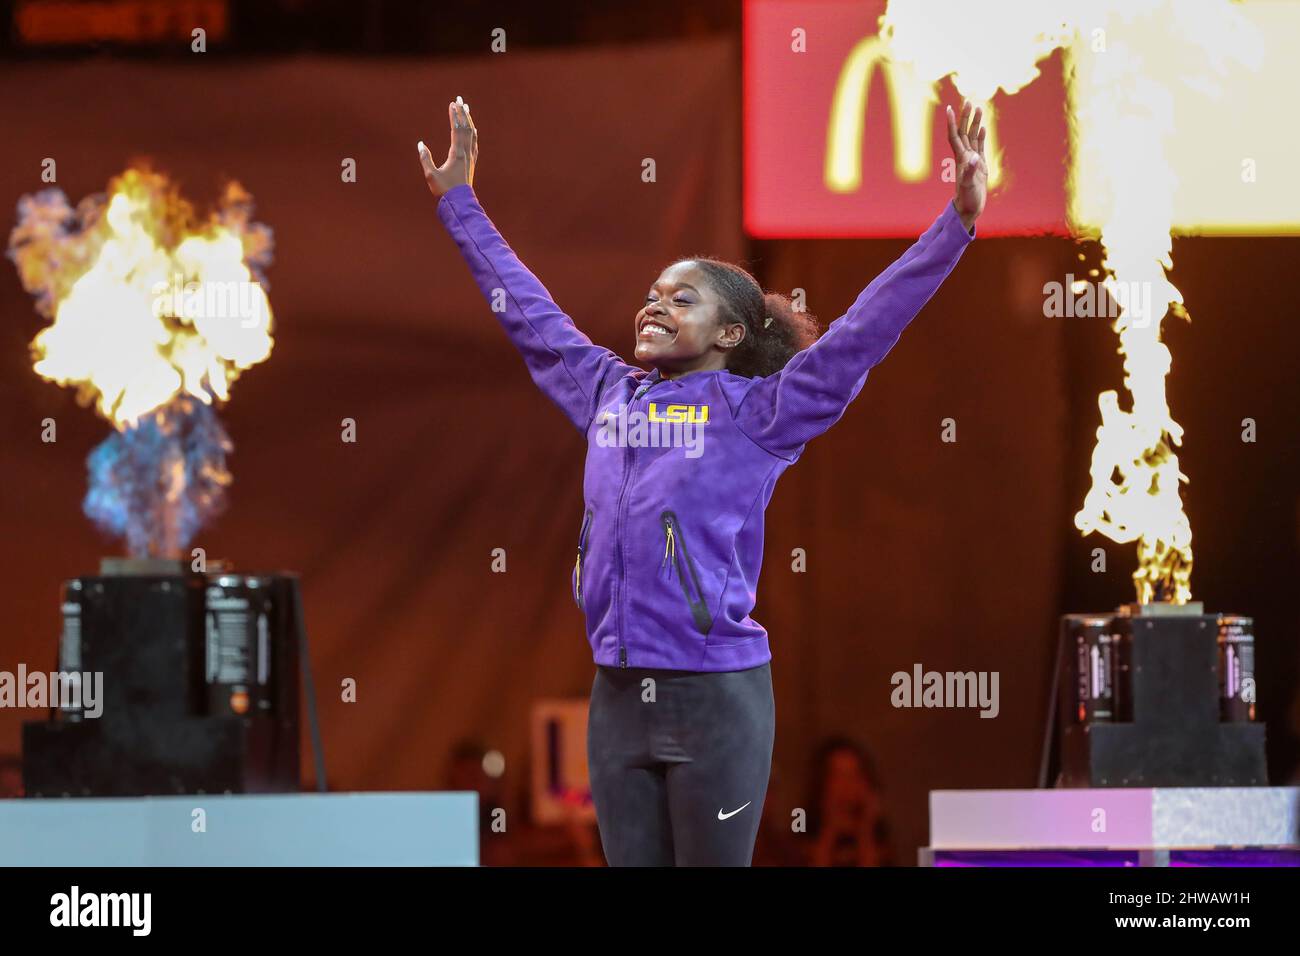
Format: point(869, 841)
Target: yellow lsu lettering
point(694, 414)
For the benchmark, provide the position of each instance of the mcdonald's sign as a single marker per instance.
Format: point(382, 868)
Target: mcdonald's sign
point(841, 142)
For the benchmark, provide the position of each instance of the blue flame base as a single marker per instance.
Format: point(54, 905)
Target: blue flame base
point(156, 483)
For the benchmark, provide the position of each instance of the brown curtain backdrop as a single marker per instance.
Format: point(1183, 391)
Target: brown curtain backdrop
point(918, 551)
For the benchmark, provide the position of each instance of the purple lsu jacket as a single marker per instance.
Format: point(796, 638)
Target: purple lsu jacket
point(671, 537)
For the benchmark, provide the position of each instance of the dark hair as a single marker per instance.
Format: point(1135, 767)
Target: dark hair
point(774, 329)
point(821, 761)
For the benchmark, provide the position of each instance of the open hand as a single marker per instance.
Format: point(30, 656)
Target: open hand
point(967, 140)
point(461, 156)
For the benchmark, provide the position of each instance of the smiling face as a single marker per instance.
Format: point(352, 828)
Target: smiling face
point(680, 328)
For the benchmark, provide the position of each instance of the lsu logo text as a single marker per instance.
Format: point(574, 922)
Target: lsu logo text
point(692, 414)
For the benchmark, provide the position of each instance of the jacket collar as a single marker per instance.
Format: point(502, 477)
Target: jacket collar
point(656, 376)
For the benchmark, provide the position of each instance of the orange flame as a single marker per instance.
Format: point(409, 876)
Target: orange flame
point(147, 303)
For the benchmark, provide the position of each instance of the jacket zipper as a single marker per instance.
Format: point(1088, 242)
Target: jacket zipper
point(582, 547)
point(629, 464)
point(686, 571)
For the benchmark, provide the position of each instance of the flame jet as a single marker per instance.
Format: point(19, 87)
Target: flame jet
point(1123, 58)
point(153, 314)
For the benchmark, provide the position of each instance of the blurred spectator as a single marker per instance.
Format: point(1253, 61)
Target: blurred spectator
point(11, 775)
point(583, 836)
point(846, 823)
point(517, 840)
point(1295, 731)
point(573, 842)
point(777, 843)
point(467, 770)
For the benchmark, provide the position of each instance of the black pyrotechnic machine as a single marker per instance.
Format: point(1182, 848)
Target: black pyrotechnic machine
point(199, 685)
point(1155, 695)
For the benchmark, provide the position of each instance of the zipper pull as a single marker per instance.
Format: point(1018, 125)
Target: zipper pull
point(577, 570)
point(670, 544)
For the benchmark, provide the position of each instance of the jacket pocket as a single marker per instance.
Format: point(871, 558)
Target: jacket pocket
point(582, 550)
point(677, 558)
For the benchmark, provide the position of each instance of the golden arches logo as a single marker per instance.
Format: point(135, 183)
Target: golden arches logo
point(911, 107)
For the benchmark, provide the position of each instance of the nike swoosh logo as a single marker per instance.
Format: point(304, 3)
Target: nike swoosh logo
point(724, 816)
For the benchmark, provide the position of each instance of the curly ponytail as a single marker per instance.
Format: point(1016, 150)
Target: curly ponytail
point(774, 329)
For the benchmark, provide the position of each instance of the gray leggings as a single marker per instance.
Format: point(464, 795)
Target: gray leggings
point(679, 763)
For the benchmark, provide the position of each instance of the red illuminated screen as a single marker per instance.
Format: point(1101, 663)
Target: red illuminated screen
point(788, 100)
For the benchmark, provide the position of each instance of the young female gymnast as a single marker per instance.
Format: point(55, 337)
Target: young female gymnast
point(682, 719)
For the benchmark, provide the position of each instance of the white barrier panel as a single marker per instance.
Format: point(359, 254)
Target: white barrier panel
point(334, 829)
point(1113, 818)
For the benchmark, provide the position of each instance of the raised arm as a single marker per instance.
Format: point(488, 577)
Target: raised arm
point(566, 365)
point(784, 411)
